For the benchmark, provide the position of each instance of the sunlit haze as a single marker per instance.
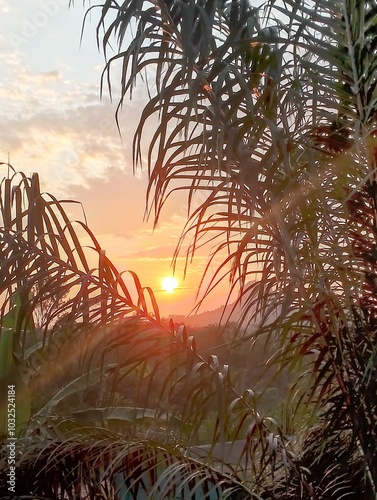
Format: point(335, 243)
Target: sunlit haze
point(169, 284)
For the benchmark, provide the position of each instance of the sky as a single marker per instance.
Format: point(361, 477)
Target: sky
point(54, 122)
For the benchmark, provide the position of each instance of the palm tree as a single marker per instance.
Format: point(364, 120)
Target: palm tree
point(270, 111)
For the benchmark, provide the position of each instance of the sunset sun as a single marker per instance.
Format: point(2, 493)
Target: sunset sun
point(169, 284)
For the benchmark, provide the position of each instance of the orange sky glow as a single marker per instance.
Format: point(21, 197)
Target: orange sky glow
point(53, 122)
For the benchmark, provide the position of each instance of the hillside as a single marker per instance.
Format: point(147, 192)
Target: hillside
point(206, 318)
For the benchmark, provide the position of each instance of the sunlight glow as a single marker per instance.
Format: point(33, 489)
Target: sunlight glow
point(169, 284)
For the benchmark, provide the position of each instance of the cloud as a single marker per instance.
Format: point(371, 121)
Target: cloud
point(4, 7)
point(58, 129)
point(41, 78)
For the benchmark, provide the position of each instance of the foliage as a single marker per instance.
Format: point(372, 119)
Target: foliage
point(100, 372)
point(39, 245)
point(270, 112)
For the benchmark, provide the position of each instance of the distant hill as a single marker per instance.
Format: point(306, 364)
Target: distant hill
point(232, 312)
point(208, 317)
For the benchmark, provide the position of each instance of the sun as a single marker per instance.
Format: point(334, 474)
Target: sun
point(169, 284)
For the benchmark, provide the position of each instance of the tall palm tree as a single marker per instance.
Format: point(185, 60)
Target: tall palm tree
point(270, 111)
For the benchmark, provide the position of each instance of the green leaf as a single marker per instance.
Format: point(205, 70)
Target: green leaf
point(15, 397)
point(79, 384)
point(119, 418)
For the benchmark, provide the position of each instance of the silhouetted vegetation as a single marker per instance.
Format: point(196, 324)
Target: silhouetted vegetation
point(270, 112)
